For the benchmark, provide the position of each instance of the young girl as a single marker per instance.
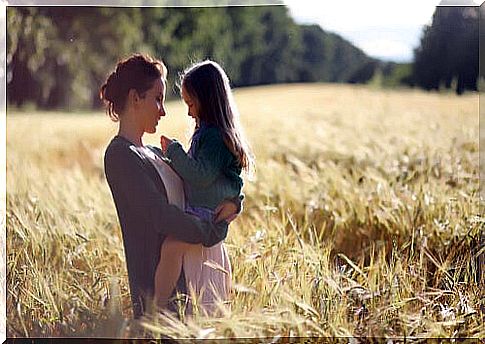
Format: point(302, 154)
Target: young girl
point(211, 173)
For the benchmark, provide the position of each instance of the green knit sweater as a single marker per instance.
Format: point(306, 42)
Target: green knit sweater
point(211, 173)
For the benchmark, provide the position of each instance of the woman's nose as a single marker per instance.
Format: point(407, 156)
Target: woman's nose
point(162, 111)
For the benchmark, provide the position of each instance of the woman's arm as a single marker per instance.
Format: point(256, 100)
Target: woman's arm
point(212, 156)
point(137, 195)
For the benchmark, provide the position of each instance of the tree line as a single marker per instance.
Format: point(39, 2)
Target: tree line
point(57, 57)
point(448, 54)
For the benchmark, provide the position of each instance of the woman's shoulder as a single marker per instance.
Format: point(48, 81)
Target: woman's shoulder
point(116, 145)
point(116, 157)
point(120, 149)
point(118, 142)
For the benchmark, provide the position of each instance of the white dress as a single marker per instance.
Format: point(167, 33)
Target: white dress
point(207, 269)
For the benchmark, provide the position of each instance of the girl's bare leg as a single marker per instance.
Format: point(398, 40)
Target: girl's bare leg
point(169, 269)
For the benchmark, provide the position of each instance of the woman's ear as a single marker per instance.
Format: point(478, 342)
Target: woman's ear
point(133, 97)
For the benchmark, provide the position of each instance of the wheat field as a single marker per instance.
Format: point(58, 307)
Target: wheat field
point(361, 219)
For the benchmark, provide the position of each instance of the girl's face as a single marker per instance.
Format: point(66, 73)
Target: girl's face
point(151, 107)
point(193, 108)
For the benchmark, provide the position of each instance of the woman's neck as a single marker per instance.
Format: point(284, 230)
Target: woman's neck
point(128, 129)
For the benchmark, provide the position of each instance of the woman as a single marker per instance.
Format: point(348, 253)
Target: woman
point(134, 94)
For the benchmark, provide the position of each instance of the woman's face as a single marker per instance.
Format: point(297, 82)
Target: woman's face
point(193, 110)
point(151, 107)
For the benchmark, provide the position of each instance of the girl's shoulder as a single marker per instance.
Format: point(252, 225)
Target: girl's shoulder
point(211, 133)
point(211, 139)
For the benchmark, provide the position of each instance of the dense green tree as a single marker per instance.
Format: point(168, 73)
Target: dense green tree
point(269, 43)
point(28, 37)
point(55, 60)
point(448, 54)
point(247, 41)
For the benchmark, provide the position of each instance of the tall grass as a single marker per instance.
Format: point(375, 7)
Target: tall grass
point(362, 220)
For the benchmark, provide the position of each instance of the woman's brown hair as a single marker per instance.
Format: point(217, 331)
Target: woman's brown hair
point(137, 72)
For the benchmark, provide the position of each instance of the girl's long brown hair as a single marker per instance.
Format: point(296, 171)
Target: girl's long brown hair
point(208, 84)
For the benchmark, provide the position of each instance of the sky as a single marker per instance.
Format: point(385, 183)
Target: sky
point(385, 29)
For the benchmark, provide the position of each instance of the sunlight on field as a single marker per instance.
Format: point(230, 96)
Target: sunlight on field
point(362, 219)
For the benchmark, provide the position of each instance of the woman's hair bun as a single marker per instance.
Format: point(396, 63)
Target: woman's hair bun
point(112, 87)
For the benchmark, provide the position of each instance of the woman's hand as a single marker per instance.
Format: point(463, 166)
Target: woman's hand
point(164, 142)
point(227, 211)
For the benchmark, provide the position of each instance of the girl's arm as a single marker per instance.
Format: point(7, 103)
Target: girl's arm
point(228, 209)
point(212, 156)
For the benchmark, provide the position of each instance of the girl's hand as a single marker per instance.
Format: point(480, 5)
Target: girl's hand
point(164, 142)
point(227, 211)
